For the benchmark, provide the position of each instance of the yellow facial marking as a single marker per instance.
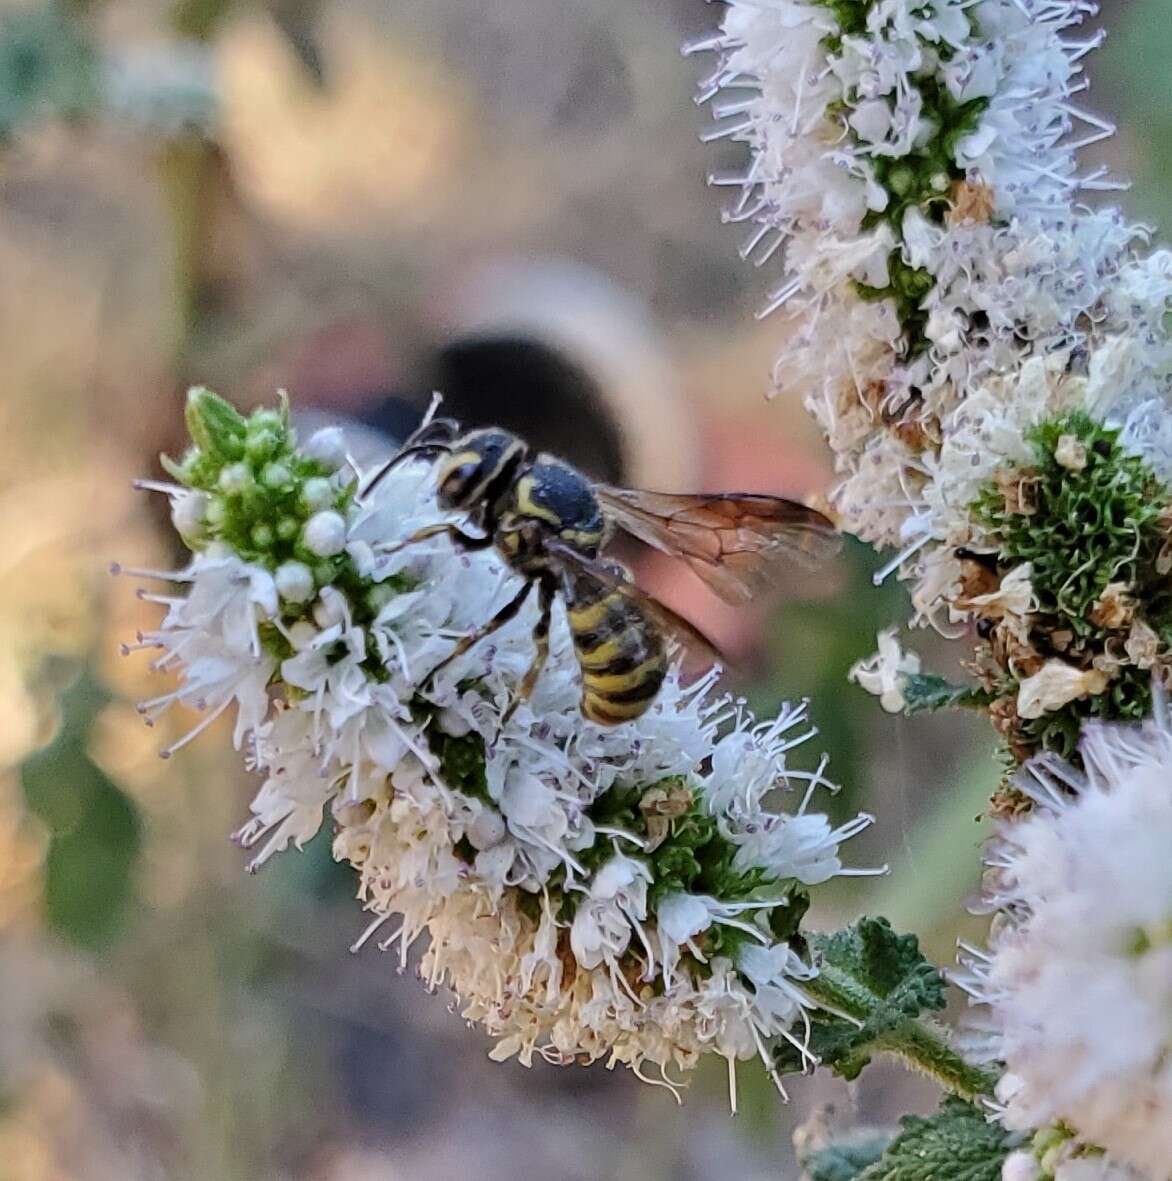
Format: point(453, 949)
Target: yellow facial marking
point(454, 461)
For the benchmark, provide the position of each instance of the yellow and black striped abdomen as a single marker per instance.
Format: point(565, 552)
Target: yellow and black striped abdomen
point(620, 651)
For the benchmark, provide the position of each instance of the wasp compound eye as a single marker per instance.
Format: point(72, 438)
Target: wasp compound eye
point(456, 482)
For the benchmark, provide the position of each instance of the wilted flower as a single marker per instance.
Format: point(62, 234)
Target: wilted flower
point(883, 674)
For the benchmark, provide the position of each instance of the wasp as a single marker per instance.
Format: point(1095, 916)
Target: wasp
point(551, 524)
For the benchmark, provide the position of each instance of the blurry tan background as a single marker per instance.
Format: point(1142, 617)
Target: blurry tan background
point(360, 201)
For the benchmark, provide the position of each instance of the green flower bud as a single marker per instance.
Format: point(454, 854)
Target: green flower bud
point(262, 444)
point(324, 534)
point(266, 421)
point(262, 535)
point(900, 180)
point(295, 582)
point(288, 528)
point(317, 493)
point(276, 476)
point(380, 595)
point(328, 447)
point(236, 477)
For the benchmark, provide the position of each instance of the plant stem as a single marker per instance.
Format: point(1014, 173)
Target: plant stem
point(918, 1044)
point(924, 1047)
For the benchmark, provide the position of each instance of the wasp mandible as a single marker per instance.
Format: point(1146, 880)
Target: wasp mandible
point(551, 523)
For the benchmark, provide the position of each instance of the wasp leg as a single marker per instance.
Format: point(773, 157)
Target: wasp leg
point(458, 536)
point(541, 642)
point(498, 621)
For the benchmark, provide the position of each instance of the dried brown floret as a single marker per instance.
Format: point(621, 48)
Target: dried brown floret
point(1019, 488)
point(1114, 608)
point(970, 201)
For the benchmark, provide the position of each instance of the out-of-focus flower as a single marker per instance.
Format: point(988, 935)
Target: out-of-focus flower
point(1078, 974)
point(1024, 1165)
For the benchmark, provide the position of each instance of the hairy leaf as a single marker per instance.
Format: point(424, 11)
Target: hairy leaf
point(957, 1143)
point(926, 693)
point(874, 984)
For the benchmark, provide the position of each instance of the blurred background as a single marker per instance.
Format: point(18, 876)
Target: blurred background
point(361, 201)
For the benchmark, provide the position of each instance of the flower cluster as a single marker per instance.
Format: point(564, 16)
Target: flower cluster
point(1078, 975)
point(916, 163)
point(589, 892)
point(1063, 575)
point(1055, 1157)
point(989, 359)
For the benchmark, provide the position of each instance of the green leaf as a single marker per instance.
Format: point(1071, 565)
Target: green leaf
point(957, 1143)
point(874, 984)
point(873, 958)
point(95, 833)
point(48, 67)
point(89, 870)
point(927, 693)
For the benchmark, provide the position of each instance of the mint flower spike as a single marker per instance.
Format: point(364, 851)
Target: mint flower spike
point(1076, 984)
point(915, 168)
point(989, 357)
point(620, 893)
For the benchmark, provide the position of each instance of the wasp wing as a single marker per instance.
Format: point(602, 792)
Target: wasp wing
point(732, 540)
point(687, 635)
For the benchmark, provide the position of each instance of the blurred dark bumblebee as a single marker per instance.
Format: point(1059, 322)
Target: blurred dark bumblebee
point(550, 523)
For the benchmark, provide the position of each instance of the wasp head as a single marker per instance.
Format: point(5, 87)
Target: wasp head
point(478, 466)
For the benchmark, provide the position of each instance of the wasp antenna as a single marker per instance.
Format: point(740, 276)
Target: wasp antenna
point(436, 401)
point(405, 453)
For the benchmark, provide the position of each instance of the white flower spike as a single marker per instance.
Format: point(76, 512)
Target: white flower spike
point(1078, 976)
point(588, 892)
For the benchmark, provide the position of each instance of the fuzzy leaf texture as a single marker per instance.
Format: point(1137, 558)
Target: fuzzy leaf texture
point(875, 976)
point(957, 1143)
point(927, 693)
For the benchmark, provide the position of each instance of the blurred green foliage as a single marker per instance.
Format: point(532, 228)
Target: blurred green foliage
point(48, 68)
point(1137, 63)
point(813, 644)
point(95, 832)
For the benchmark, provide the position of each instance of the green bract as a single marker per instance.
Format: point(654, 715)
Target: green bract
point(1082, 530)
point(1088, 527)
